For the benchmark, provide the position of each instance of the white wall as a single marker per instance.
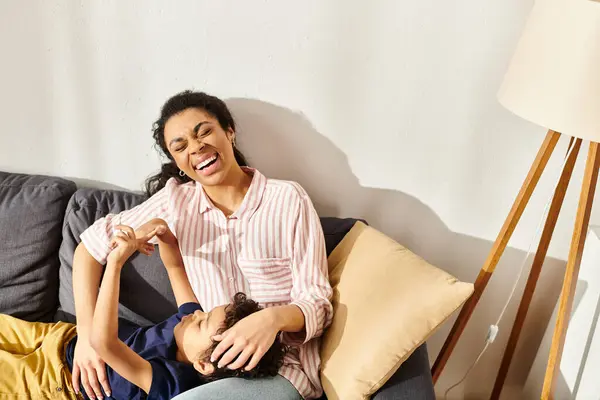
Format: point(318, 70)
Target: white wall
point(382, 109)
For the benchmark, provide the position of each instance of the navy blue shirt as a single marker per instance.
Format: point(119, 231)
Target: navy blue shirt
point(156, 344)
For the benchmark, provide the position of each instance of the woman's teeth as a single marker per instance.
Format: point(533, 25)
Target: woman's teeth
point(206, 162)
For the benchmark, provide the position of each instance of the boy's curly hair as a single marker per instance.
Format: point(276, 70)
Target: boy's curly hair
point(269, 364)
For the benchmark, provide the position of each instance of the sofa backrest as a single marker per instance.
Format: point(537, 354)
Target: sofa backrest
point(31, 216)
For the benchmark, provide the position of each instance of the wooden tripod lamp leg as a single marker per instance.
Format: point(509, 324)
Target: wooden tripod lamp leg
point(570, 282)
point(500, 244)
point(536, 268)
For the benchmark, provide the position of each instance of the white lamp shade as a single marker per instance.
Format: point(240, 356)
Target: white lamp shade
point(554, 77)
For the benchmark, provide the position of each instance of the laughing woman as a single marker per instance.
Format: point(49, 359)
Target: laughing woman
point(238, 231)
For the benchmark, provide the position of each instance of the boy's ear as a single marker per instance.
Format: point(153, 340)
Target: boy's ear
point(205, 367)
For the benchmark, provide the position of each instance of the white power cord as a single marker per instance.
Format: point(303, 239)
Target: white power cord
point(493, 329)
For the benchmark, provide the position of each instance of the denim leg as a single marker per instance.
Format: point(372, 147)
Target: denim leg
point(275, 388)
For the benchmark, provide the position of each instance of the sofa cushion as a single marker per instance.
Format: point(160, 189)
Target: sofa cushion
point(32, 208)
point(378, 325)
point(146, 296)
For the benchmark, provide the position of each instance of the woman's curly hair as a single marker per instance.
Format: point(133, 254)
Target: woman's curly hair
point(269, 364)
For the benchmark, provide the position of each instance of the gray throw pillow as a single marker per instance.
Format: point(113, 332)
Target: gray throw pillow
point(32, 208)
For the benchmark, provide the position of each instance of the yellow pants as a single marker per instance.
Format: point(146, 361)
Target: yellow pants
point(32, 360)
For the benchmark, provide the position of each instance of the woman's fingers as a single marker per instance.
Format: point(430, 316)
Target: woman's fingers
point(258, 354)
point(242, 359)
point(231, 354)
point(226, 343)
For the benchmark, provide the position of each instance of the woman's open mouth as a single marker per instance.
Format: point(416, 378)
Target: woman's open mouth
point(209, 165)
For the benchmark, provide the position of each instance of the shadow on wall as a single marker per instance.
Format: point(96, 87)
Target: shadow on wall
point(567, 389)
point(283, 144)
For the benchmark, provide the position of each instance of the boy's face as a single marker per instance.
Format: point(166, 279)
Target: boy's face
point(193, 336)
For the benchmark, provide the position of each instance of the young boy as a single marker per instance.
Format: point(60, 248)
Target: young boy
point(156, 362)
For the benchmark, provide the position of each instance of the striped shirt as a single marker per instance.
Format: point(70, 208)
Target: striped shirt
point(272, 248)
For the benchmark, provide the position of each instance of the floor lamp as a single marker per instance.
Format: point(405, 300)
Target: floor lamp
point(554, 81)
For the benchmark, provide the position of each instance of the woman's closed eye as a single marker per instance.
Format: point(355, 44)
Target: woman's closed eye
point(206, 133)
point(181, 145)
point(178, 144)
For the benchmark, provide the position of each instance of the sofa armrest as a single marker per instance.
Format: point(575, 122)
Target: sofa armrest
point(412, 381)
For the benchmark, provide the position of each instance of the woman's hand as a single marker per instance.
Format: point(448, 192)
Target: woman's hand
point(249, 339)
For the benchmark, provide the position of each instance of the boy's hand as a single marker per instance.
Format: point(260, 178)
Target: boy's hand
point(89, 371)
point(168, 245)
point(124, 244)
point(157, 227)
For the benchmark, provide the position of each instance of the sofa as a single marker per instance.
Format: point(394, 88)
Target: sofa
point(41, 218)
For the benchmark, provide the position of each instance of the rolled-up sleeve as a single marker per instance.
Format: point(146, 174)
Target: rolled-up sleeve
point(96, 238)
point(311, 290)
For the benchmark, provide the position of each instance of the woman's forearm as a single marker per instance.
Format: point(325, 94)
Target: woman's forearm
point(171, 258)
point(289, 318)
point(181, 286)
point(86, 279)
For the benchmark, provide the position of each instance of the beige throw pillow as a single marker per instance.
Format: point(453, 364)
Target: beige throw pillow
point(387, 302)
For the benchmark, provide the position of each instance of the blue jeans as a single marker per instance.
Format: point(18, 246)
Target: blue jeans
point(272, 388)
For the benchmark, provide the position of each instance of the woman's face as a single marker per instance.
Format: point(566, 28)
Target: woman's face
point(199, 146)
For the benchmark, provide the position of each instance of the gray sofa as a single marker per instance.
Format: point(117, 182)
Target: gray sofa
point(41, 219)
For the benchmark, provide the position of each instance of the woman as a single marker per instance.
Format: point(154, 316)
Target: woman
point(238, 232)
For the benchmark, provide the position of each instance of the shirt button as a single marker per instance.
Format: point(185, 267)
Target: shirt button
point(59, 389)
point(230, 279)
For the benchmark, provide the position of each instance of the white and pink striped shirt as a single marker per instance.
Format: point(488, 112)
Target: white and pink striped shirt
point(272, 248)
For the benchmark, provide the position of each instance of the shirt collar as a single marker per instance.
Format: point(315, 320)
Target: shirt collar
point(251, 200)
